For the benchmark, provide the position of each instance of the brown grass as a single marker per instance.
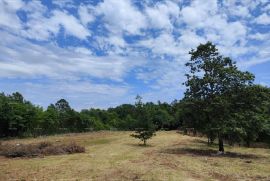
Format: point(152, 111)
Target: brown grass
point(39, 149)
point(117, 156)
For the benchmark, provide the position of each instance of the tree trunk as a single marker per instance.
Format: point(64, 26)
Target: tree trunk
point(144, 142)
point(220, 145)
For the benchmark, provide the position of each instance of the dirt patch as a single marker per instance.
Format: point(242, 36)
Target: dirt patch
point(118, 174)
point(39, 149)
point(222, 177)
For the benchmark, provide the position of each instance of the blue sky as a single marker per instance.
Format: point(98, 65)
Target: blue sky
point(103, 53)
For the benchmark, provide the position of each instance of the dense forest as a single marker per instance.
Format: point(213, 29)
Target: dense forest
point(223, 104)
point(20, 117)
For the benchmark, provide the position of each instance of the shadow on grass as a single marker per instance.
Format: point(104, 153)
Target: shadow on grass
point(139, 145)
point(253, 145)
point(208, 152)
point(196, 140)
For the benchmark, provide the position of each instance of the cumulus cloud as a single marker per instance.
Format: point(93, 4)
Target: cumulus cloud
point(163, 15)
point(24, 59)
point(263, 19)
point(121, 16)
point(108, 45)
point(86, 14)
point(8, 17)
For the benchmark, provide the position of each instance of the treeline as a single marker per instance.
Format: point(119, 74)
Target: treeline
point(20, 118)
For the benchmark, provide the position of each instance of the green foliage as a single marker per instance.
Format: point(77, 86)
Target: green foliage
point(145, 126)
point(143, 134)
point(222, 100)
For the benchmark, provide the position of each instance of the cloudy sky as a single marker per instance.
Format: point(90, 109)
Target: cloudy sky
point(103, 53)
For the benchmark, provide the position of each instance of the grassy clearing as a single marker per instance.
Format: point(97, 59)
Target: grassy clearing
point(117, 156)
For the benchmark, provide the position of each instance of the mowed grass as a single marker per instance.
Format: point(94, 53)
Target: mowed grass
point(117, 156)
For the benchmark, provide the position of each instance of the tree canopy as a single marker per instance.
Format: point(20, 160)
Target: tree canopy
point(215, 91)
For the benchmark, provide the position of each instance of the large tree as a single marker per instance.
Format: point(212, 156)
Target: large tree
point(211, 80)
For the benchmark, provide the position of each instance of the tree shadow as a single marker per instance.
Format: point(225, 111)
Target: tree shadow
point(196, 140)
point(208, 152)
point(253, 145)
point(139, 145)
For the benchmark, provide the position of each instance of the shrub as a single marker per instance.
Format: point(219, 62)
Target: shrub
point(143, 134)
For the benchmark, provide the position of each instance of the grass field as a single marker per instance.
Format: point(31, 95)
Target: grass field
point(117, 156)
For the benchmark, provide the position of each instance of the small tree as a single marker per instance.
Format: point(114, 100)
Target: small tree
point(144, 134)
point(145, 127)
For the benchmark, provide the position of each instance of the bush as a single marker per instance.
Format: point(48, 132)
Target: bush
point(143, 134)
point(40, 149)
point(73, 148)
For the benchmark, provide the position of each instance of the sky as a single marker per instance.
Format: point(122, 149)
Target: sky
point(101, 54)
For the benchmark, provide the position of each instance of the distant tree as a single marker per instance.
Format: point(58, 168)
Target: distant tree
point(17, 97)
point(65, 115)
point(146, 128)
point(62, 106)
point(50, 120)
point(210, 82)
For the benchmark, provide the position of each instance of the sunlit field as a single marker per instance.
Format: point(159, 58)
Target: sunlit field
point(117, 156)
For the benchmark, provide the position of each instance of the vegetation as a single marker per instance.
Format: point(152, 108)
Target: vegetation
point(225, 102)
point(146, 128)
point(39, 149)
point(144, 134)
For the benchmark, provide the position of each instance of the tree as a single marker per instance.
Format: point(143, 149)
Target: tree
point(211, 82)
point(250, 114)
point(145, 127)
point(50, 120)
point(5, 116)
point(65, 114)
point(144, 134)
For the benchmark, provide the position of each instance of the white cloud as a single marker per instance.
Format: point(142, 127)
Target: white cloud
point(241, 11)
point(8, 17)
point(64, 3)
point(162, 15)
point(121, 16)
point(70, 23)
point(86, 15)
point(263, 19)
point(163, 44)
point(259, 36)
point(24, 59)
point(42, 28)
point(38, 26)
point(164, 32)
point(198, 12)
point(266, 8)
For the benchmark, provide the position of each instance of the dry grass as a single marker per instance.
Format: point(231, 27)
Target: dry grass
point(117, 156)
point(39, 149)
